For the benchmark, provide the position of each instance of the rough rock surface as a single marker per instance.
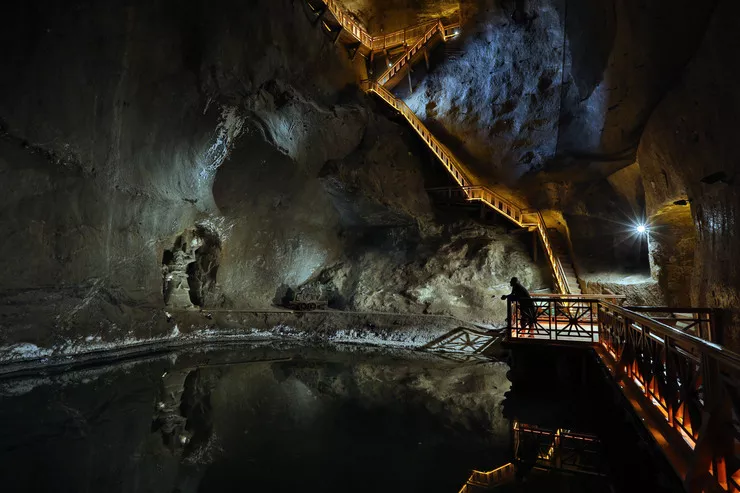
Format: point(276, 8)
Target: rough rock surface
point(495, 98)
point(689, 153)
point(197, 155)
point(130, 131)
point(566, 88)
point(462, 271)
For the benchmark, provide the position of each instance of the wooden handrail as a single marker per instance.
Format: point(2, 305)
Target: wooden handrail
point(716, 351)
point(383, 41)
point(401, 37)
point(578, 297)
point(669, 309)
point(686, 387)
point(348, 23)
point(410, 52)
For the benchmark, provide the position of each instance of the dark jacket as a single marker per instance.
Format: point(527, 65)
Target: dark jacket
point(519, 293)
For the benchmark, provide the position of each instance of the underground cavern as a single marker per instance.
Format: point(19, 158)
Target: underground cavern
point(273, 244)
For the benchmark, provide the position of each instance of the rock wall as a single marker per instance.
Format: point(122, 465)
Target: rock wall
point(494, 99)
point(689, 155)
point(196, 154)
point(461, 271)
point(385, 16)
point(557, 96)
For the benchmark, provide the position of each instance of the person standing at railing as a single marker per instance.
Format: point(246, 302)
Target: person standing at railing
point(526, 306)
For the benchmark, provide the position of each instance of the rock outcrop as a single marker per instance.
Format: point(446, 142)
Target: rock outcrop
point(690, 160)
point(217, 155)
point(178, 157)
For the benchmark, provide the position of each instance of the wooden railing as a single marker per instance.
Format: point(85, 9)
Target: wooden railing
point(562, 319)
point(453, 166)
point(559, 449)
point(489, 479)
point(700, 322)
point(686, 389)
point(691, 386)
point(411, 52)
point(518, 215)
point(402, 37)
point(348, 23)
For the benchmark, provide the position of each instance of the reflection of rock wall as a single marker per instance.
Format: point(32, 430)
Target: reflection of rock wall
point(466, 397)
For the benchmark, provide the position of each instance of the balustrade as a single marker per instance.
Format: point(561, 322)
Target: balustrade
point(688, 387)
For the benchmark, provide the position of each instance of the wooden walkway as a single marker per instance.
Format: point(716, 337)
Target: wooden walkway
point(540, 448)
point(682, 384)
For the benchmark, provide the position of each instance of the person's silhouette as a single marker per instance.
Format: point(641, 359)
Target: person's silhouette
point(526, 306)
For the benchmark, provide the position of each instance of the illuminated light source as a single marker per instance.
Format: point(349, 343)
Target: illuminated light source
point(642, 229)
point(390, 64)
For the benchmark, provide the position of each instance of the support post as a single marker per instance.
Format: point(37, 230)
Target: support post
point(411, 87)
point(339, 33)
point(508, 319)
point(320, 14)
point(426, 57)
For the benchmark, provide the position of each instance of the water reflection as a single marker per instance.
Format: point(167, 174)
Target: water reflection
point(288, 419)
point(261, 418)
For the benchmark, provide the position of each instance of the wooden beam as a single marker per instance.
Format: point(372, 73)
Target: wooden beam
point(320, 13)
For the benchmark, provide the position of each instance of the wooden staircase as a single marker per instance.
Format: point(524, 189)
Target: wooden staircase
point(562, 252)
point(525, 218)
point(435, 34)
point(562, 268)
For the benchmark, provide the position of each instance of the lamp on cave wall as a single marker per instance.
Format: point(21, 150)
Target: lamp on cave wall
point(639, 226)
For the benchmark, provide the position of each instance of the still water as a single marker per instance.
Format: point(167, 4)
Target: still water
point(281, 419)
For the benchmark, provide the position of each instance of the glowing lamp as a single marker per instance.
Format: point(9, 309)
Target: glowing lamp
point(642, 229)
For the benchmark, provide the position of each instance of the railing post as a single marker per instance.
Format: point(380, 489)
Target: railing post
point(714, 441)
point(508, 318)
point(715, 329)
